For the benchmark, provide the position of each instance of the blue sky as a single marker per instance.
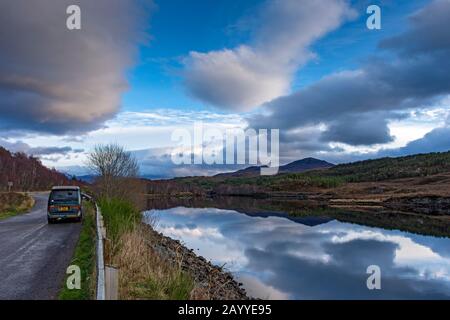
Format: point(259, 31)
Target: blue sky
point(139, 70)
point(178, 27)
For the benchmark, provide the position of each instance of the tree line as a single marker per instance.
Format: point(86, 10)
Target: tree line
point(27, 173)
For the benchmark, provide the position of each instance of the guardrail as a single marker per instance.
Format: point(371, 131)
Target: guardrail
point(101, 235)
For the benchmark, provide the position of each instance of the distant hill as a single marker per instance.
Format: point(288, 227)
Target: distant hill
point(88, 178)
point(293, 167)
point(305, 165)
point(27, 173)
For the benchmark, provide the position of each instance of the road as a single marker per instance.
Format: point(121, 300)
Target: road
point(34, 255)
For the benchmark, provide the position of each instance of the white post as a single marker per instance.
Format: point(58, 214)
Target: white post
point(111, 283)
point(100, 258)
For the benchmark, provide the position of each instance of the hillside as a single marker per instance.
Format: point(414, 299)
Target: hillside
point(305, 165)
point(293, 167)
point(369, 171)
point(418, 165)
point(27, 173)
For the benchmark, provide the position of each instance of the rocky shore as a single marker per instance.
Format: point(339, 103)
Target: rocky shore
point(428, 205)
point(211, 282)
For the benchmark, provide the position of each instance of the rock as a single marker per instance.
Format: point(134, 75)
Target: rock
point(211, 282)
point(429, 205)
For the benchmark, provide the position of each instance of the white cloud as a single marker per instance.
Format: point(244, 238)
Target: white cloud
point(254, 287)
point(408, 253)
point(359, 107)
point(251, 74)
point(147, 133)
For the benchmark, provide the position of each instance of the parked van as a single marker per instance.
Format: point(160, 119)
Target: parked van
point(64, 203)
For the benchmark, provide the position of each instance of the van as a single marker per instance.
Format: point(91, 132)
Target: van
point(64, 203)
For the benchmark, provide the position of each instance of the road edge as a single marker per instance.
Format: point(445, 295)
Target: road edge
point(101, 233)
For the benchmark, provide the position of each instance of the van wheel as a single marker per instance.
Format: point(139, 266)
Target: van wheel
point(50, 221)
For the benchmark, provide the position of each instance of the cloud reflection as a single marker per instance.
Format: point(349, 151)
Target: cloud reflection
point(277, 258)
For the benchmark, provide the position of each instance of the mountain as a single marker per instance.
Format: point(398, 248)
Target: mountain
point(305, 165)
point(293, 167)
point(88, 178)
point(27, 173)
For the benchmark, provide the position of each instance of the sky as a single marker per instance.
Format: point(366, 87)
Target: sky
point(139, 70)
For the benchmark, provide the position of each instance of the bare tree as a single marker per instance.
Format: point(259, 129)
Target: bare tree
point(116, 170)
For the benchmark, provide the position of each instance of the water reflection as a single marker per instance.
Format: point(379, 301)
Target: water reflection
point(278, 258)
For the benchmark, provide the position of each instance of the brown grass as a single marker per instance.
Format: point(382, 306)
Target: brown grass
point(13, 203)
point(438, 185)
point(144, 273)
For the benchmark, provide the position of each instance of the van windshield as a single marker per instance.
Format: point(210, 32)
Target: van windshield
point(64, 196)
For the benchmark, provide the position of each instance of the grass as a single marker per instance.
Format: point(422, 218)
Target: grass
point(302, 180)
point(14, 203)
point(143, 272)
point(177, 287)
point(120, 216)
point(84, 257)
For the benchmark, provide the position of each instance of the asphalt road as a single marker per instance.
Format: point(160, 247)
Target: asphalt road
point(34, 255)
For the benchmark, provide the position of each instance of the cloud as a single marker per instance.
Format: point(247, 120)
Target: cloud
point(370, 128)
point(410, 72)
point(56, 80)
point(251, 74)
point(156, 163)
point(20, 146)
point(254, 287)
point(437, 140)
point(39, 151)
point(427, 32)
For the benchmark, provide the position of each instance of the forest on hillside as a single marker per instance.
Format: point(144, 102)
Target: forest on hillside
point(383, 169)
point(27, 173)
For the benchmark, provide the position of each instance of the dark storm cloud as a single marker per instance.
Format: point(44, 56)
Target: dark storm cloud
point(40, 151)
point(372, 129)
point(437, 140)
point(56, 80)
point(427, 32)
point(410, 72)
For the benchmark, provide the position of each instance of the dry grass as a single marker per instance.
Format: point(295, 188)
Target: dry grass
point(13, 203)
point(155, 267)
point(144, 274)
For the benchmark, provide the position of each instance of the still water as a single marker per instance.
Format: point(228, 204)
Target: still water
point(311, 258)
